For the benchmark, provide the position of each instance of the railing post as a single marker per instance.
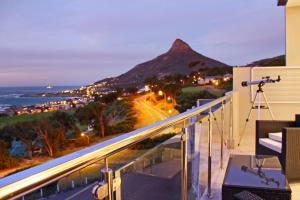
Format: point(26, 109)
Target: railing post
point(109, 180)
point(184, 160)
point(209, 194)
point(222, 135)
point(230, 142)
point(198, 102)
point(41, 193)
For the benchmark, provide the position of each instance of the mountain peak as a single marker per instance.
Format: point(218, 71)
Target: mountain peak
point(179, 45)
point(176, 61)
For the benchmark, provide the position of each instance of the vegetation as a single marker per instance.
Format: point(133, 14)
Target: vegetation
point(4, 121)
point(170, 85)
point(92, 114)
point(6, 161)
point(188, 100)
point(209, 71)
point(192, 89)
point(25, 132)
point(275, 61)
point(131, 90)
point(227, 86)
point(50, 131)
point(121, 118)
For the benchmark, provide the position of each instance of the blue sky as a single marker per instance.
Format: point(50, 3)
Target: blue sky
point(76, 42)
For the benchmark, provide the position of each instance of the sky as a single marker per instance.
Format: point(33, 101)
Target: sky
point(77, 42)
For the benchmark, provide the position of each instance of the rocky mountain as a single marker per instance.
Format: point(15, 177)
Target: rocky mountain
point(179, 59)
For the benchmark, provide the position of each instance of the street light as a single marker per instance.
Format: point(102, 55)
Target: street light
point(87, 137)
point(161, 93)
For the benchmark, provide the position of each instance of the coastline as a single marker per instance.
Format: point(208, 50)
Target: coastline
point(13, 99)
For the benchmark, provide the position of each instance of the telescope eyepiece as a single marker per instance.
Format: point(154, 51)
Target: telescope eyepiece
point(244, 84)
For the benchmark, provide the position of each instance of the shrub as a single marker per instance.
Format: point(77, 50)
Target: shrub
point(188, 100)
point(6, 161)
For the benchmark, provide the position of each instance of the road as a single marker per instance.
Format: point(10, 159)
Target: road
point(148, 112)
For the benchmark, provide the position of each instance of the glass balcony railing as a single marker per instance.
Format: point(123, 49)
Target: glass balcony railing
point(176, 158)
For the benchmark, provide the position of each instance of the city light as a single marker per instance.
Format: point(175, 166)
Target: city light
point(169, 98)
point(82, 134)
point(147, 88)
point(160, 93)
point(226, 79)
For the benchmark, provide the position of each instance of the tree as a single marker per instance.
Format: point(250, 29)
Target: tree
point(131, 90)
point(154, 83)
point(171, 90)
point(65, 119)
point(25, 132)
point(52, 134)
point(109, 98)
point(92, 114)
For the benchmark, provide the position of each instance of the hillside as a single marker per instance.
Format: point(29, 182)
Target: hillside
point(275, 61)
point(177, 60)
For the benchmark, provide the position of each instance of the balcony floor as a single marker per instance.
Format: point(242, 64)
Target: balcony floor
point(246, 147)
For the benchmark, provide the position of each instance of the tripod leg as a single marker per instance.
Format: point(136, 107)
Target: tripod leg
point(269, 108)
point(259, 105)
point(248, 118)
point(252, 107)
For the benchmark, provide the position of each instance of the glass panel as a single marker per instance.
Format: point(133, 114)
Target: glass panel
point(193, 160)
point(77, 185)
point(151, 169)
point(202, 136)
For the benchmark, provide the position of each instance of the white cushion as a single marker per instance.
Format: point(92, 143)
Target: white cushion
point(271, 144)
point(276, 136)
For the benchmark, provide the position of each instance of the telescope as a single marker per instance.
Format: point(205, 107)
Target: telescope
point(259, 92)
point(263, 81)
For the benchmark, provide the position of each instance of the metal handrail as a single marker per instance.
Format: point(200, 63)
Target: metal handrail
point(29, 180)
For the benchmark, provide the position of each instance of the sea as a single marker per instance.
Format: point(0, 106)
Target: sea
point(13, 96)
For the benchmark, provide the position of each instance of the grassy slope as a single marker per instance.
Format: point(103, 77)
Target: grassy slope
point(195, 89)
point(22, 118)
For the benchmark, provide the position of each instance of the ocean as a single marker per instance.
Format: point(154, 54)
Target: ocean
point(12, 96)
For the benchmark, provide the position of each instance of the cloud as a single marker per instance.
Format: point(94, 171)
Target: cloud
point(96, 38)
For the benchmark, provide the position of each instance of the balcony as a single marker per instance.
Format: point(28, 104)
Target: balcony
point(182, 157)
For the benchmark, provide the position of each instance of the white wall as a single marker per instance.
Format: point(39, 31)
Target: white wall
point(293, 35)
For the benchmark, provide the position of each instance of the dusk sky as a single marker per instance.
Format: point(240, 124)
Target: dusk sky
point(77, 42)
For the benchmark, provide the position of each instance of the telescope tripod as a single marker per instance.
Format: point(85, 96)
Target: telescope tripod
point(259, 93)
